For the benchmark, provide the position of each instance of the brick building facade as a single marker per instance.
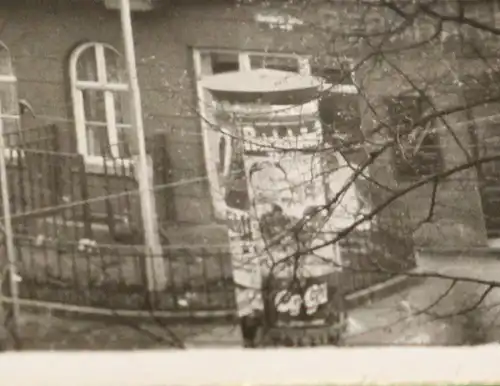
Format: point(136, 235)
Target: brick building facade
point(42, 40)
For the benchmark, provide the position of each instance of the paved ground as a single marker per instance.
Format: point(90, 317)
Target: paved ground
point(388, 321)
point(393, 320)
point(427, 314)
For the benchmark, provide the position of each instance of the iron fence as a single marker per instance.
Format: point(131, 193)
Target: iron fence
point(112, 277)
point(198, 278)
point(79, 239)
point(373, 256)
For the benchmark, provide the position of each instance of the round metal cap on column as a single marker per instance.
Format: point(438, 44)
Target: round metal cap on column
point(268, 123)
point(263, 85)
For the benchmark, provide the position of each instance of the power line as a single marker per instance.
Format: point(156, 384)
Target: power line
point(175, 184)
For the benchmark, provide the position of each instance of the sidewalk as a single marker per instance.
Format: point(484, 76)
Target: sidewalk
point(392, 320)
point(386, 321)
point(382, 322)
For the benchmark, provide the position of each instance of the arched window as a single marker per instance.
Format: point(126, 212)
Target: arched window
point(100, 102)
point(9, 104)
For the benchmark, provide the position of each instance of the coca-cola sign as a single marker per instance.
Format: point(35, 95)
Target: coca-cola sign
point(293, 303)
point(301, 302)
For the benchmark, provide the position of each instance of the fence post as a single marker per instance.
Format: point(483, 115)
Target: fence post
point(156, 275)
point(8, 237)
point(154, 264)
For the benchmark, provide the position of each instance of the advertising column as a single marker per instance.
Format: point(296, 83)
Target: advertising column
point(285, 172)
point(245, 263)
point(276, 182)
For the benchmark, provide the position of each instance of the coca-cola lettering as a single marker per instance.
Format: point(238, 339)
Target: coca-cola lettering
point(288, 303)
point(315, 296)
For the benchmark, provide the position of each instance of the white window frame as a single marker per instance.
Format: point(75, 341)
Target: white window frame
point(304, 66)
point(96, 163)
point(11, 154)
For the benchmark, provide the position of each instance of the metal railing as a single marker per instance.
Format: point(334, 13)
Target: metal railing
point(76, 247)
point(112, 276)
point(199, 278)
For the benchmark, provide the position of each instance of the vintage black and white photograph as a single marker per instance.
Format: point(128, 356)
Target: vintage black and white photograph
point(183, 174)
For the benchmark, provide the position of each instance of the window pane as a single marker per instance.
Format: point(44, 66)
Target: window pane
point(222, 62)
point(114, 66)
point(94, 106)
point(417, 152)
point(333, 75)
point(274, 62)
point(405, 111)
point(341, 120)
point(97, 140)
point(205, 64)
point(425, 161)
point(418, 157)
point(11, 132)
point(122, 103)
point(5, 61)
point(8, 98)
point(123, 142)
point(86, 66)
